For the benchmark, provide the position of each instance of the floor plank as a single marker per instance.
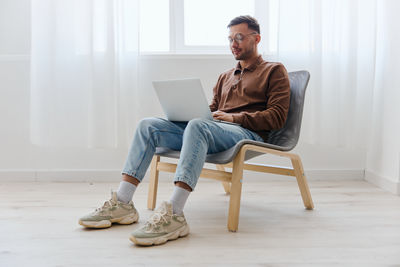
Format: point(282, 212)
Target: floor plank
point(353, 224)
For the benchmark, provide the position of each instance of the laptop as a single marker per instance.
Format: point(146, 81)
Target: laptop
point(183, 100)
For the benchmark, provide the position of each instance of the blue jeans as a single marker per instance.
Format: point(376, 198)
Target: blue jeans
point(195, 139)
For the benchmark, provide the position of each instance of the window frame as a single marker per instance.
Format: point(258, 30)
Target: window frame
point(177, 38)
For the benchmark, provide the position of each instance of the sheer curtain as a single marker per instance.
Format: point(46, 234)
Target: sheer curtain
point(335, 41)
point(83, 72)
point(84, 68)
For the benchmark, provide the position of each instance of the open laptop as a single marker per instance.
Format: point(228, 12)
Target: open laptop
point(183, 100)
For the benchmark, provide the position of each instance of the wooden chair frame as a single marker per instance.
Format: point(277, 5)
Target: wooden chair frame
point(232, 181)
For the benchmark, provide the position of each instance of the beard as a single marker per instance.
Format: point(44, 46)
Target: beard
point(245, 54)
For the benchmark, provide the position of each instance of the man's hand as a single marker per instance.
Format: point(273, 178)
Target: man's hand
point(223, 116)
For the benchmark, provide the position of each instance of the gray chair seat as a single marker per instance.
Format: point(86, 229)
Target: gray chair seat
point(221, 157)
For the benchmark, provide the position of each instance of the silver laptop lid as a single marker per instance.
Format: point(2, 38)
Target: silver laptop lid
point(182, 100)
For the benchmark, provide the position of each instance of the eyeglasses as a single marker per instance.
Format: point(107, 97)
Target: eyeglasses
point(238, 38)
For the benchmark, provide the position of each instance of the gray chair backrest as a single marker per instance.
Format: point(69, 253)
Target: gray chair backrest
point(288, 136)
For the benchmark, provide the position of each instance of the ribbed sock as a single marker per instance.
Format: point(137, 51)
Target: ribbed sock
point(178, 199)
point(125, 191)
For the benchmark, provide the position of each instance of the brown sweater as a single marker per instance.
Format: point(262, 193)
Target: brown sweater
point(259, 96)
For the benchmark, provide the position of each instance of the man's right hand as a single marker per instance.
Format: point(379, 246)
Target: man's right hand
point(223, 116)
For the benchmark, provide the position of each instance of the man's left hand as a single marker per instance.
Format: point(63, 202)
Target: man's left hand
point(223, 116)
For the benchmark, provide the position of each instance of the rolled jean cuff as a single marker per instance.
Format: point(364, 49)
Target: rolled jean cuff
point(187, 181)
point(133, 174)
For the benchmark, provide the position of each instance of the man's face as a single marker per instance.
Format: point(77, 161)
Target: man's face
point(243, 41)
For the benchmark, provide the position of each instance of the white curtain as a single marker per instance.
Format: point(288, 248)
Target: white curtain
point(334, 40)
point(83, 72)
point(84, 68)
point(383, 157)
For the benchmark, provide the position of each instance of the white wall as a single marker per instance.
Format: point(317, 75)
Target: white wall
point(21, 160)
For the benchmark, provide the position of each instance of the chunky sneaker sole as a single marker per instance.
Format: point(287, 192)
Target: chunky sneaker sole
point(112, 211)
point(181, 232)
point(128, 219)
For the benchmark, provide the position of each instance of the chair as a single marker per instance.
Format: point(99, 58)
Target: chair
point(279, 143)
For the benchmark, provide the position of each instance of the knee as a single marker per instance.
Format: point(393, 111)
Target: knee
point(198, 127)
point(147, 123)
point(197, 124)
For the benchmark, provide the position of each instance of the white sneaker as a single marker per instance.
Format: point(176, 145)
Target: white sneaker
point(162, 226)
point(112, 211)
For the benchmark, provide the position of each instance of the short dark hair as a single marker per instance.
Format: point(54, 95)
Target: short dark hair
point(251, 22)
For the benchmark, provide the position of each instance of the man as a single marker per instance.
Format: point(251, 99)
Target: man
point(255, 94)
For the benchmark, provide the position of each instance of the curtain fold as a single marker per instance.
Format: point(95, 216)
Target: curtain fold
point(335, 41)
point(83, 72)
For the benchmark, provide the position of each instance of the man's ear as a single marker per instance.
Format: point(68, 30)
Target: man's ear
point(258, 38)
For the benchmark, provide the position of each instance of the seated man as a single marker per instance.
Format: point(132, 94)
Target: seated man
point(255, 94)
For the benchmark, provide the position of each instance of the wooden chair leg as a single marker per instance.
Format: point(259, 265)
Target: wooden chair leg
point(226, 185)
point(302, 182)
point(236, 191)
point(153, 184)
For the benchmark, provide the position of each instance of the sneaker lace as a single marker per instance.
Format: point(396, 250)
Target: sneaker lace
point(157, 218)
point(107, 203)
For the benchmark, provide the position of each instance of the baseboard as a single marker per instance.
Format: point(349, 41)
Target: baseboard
point(311, 175)
point(383, 182)
point(60, 175)
point(15, 57)
point(352, 174)
point(114, 175)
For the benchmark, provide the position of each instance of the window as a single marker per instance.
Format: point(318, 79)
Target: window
point(154, 26)
point(205, 26)
point(193, 26)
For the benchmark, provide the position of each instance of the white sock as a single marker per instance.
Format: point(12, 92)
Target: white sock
point(178, 199)
point(125, 191)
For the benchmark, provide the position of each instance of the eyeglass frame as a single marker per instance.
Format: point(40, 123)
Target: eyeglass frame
point(239, 41)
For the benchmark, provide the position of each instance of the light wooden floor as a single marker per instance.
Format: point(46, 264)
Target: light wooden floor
point(354, 224)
